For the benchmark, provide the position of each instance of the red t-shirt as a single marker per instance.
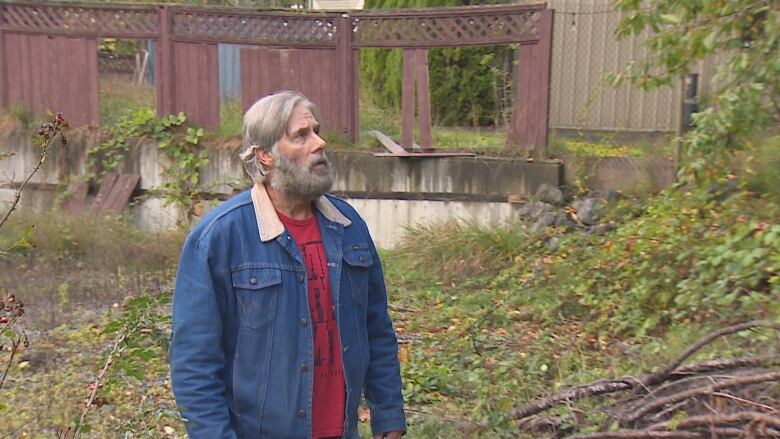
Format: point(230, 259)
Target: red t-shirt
point(329, 396)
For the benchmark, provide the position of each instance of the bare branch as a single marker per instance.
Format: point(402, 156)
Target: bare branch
point(728, 418)
point(706, 390)
point(661, 375)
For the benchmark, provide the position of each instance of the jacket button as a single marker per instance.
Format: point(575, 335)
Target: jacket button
point(362, 259)
point(304, 368)
point(300, 278)
point(253, 280)
point(301, 413)
point(304, 322)
point(356, 247)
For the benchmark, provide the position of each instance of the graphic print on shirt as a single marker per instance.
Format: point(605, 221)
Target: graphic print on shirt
point(324, 320)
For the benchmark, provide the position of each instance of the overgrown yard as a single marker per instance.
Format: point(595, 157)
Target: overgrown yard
point(487, 319)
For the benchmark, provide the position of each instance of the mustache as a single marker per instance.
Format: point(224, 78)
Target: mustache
point(320, 159)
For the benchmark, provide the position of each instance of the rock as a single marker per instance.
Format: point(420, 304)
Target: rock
point(549, 194)
point(565, 221)
point(614, 197)
point(553, 244)
point(589, 210)
point(533, 210)
point(547, 220)
point(601, 229)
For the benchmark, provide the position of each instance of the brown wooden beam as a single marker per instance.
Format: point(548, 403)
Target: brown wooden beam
point(164, 65)
point(423, 97)
point(407, 100)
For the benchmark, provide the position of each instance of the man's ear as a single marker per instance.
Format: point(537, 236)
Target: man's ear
point(264, 157)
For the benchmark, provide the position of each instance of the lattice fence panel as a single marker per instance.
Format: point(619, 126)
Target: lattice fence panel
point(445, 30)
point(98, 21)
point(257, 29)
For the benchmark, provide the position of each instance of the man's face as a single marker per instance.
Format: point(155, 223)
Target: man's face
point(300, 167)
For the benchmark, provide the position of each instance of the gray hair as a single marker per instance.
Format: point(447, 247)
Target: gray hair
point(265, 123)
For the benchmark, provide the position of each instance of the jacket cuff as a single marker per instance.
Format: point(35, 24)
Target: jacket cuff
point(384, 425)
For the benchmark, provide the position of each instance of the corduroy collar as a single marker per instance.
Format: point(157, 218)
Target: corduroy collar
point(268, 222)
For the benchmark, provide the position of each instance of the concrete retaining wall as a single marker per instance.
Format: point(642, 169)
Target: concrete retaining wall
point(391, 193)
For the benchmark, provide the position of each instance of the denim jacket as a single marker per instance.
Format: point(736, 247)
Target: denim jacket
point(242, 349)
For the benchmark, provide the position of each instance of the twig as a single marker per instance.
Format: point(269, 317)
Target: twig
point(103, 371)
point(727, 418)
point(744, 401)
point(723, 364)
point(628, 382)
point(18, 193)
point(634, 434)
point(750, 379)
point(15, 342)
point(595, 389)
point(400, 308)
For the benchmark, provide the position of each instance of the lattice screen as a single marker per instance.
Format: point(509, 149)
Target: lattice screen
point(259, 29)
point(445, 30)
point(124, 21)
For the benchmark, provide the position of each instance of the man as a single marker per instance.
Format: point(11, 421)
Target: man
point(280, 310)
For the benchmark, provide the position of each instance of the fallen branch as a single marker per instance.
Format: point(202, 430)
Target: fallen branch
point(744, 401)
point(673, 371)
point(726, 418)
point(661, 375)
point(725, 364)
point(595, 389)
point(707, 390)
point(634, 434)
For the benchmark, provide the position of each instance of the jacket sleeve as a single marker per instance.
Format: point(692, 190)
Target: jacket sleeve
point(383, 378)
point(197, 358)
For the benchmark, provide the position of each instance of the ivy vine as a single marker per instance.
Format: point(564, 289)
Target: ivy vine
point(180, 143)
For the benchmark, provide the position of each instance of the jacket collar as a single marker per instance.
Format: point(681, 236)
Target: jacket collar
point(268, 223)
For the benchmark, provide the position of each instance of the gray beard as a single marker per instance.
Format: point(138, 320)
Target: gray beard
point(300, 181)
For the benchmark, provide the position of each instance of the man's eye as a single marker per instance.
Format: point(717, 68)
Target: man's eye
point(317, 131)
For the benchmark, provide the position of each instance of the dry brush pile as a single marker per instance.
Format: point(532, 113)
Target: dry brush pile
point(736, 397)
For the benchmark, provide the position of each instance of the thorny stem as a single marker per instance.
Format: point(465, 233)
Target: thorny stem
point(15, 342)
point(18, 193)
point(102, 373)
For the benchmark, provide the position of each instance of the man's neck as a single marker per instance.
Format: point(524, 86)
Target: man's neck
point(290, 206)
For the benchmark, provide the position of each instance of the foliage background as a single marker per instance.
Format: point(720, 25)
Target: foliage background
point(470, 86)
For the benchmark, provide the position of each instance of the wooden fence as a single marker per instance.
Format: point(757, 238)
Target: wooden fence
point(320, 51)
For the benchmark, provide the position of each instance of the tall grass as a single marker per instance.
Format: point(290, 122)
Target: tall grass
point(457, 250)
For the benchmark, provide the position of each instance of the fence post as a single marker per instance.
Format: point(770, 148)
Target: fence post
point(347, 116)
point(164, 65)
point(423, 92)
point(407, 100)
point(3, 63)
point(531, 112)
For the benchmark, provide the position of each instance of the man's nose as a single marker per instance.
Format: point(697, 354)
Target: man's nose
point(319, 142)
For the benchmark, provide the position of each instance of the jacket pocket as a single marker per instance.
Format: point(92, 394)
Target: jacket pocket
point(256, 291)
point(358, 262)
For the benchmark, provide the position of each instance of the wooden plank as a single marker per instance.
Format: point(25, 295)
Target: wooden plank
point(213, 108)
point(164, 65)
point(105, 189)
point(3, 64)
point(344, 66)
point(388, 143)
point(245, 65)
point(92, 82)
point(423, 97)
point(120, 193)
point(76, 200)
point(407, 100)
point(532, 98)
